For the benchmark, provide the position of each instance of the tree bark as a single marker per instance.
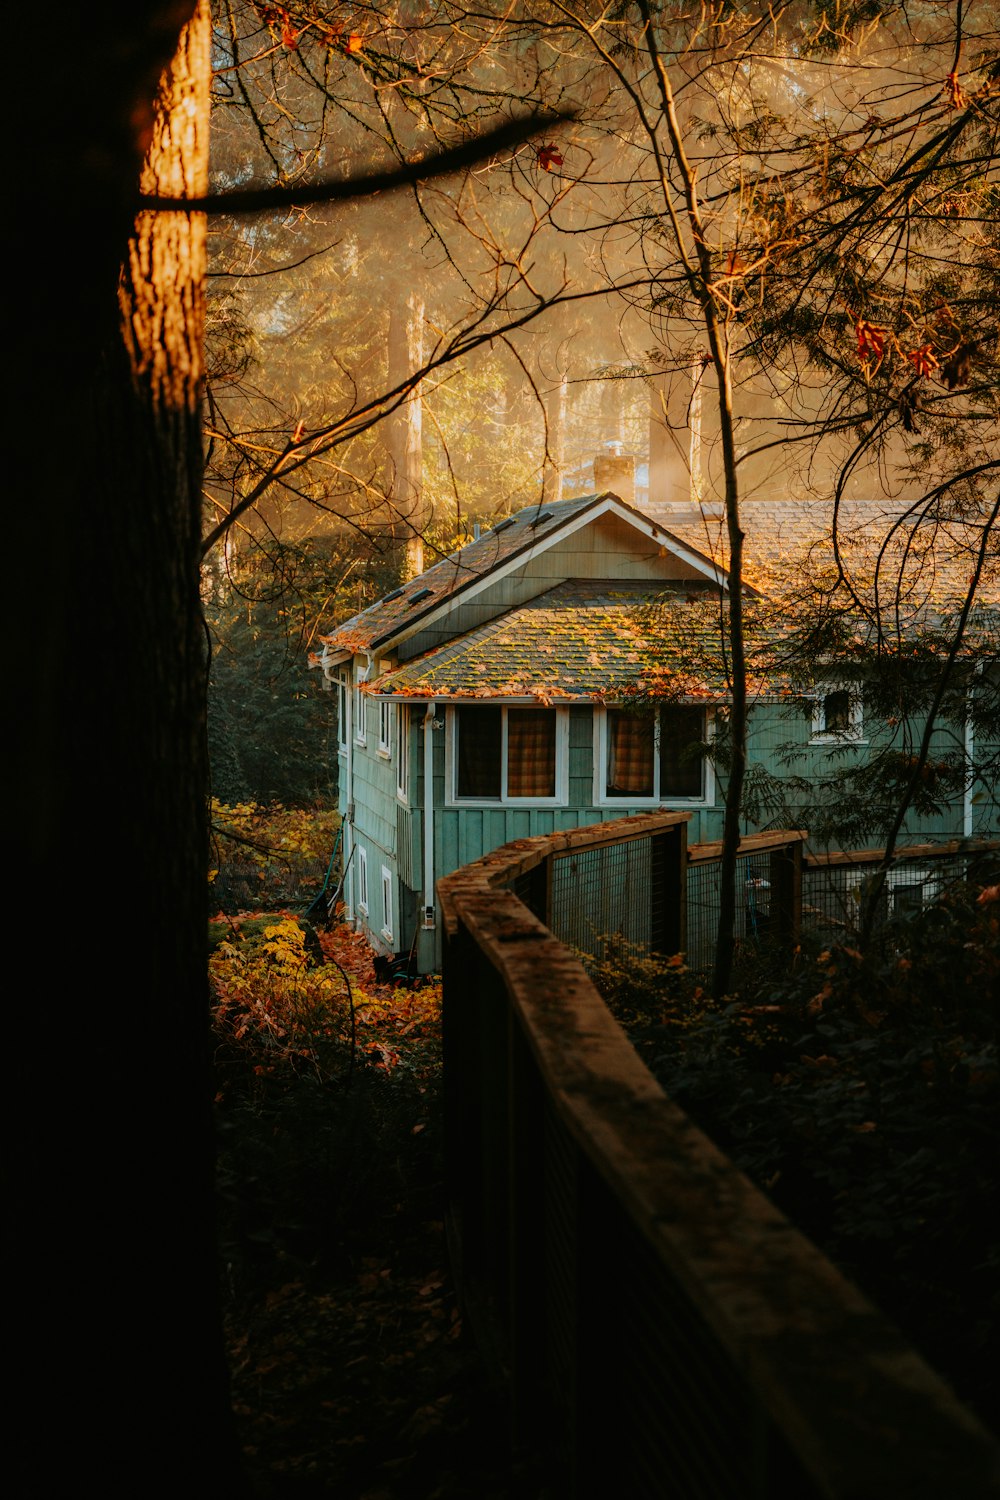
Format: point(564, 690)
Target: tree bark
point(555, 454)
point(404, 434)
point(117, 1342)
point(661, 453)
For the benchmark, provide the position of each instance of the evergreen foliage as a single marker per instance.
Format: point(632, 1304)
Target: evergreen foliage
point(271, 727)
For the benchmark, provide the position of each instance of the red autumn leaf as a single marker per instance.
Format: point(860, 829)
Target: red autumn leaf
point(355, 42)
point(549, 156)
point(871, 340)
point(289, 36)
point(923, 360)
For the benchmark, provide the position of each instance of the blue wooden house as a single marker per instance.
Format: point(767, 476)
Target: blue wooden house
point(496, 695)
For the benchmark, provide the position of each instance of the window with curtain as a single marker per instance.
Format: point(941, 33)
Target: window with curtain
point(631, 755)
point(531, 752)
point(655, 755)
point(505, 754)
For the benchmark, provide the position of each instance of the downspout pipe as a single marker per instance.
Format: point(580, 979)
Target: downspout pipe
point(968, 810)
point(428, 913)
point(347, 822)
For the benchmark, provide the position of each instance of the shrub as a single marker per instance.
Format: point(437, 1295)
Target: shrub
point(861, 1090)
point(269, 857)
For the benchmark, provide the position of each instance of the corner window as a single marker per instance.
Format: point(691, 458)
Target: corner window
point(502, 754)
point(385, 727)
point(359, 713)
point(837, 714)
point(341, 686)
point(387, 903)
point(403, 752)
point(362, 880)
point(656, 757)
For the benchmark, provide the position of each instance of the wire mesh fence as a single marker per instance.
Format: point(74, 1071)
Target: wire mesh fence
point(605, 895)
point(835, 888)
point(615, 897)
point(754, 914)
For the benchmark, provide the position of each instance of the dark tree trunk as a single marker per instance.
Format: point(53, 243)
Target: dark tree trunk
point(117, 1354)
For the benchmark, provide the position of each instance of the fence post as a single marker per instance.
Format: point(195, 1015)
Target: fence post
point(785, 875)
point(539, 901)
point(668, 890)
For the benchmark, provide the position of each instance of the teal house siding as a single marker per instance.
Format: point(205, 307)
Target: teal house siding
point(495, 694)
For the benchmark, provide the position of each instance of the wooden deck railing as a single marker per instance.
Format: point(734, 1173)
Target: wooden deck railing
point(661, 1328)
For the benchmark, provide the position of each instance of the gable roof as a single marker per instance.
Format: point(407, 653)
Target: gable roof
point(505, 546)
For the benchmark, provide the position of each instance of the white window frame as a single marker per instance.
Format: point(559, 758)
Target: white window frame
point(601, 797)
point(360, 703)
point(561, 797)
point(362, 880)
point(913, 877)
point(342, 690)
point(387, 930)
point(403, 752)
point(385, 727)
point(854, 733)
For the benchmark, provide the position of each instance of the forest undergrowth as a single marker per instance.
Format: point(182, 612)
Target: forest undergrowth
point(860, 1090)
point(351, 1375)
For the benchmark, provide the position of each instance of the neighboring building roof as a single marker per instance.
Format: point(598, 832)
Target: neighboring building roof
point(788, 544)
point(422, 597)
point(581, 641)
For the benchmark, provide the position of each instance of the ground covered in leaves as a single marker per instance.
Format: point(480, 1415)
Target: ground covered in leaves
point(351, 1373)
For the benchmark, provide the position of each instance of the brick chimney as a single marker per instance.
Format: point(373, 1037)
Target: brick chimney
point(615, 471)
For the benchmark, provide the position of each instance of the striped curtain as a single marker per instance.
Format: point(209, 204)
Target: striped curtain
point(531, 752)
point(630, 754)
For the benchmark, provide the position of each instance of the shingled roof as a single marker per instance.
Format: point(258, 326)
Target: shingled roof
point(788, 543)
point(405, 607)
point(581, 641)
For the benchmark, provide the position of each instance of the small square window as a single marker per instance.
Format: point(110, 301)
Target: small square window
point(837, 714)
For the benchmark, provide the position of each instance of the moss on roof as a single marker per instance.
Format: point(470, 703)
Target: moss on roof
point(582, 641)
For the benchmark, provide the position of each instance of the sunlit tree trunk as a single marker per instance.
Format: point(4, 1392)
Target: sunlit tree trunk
point(661, 452)
point(555, 457)
point(404, 434)
point(117, 1350)
point(697, 494)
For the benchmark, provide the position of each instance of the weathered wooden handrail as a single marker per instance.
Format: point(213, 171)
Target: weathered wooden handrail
point(638, 1287)
point(503, 866)
point(834, 858)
